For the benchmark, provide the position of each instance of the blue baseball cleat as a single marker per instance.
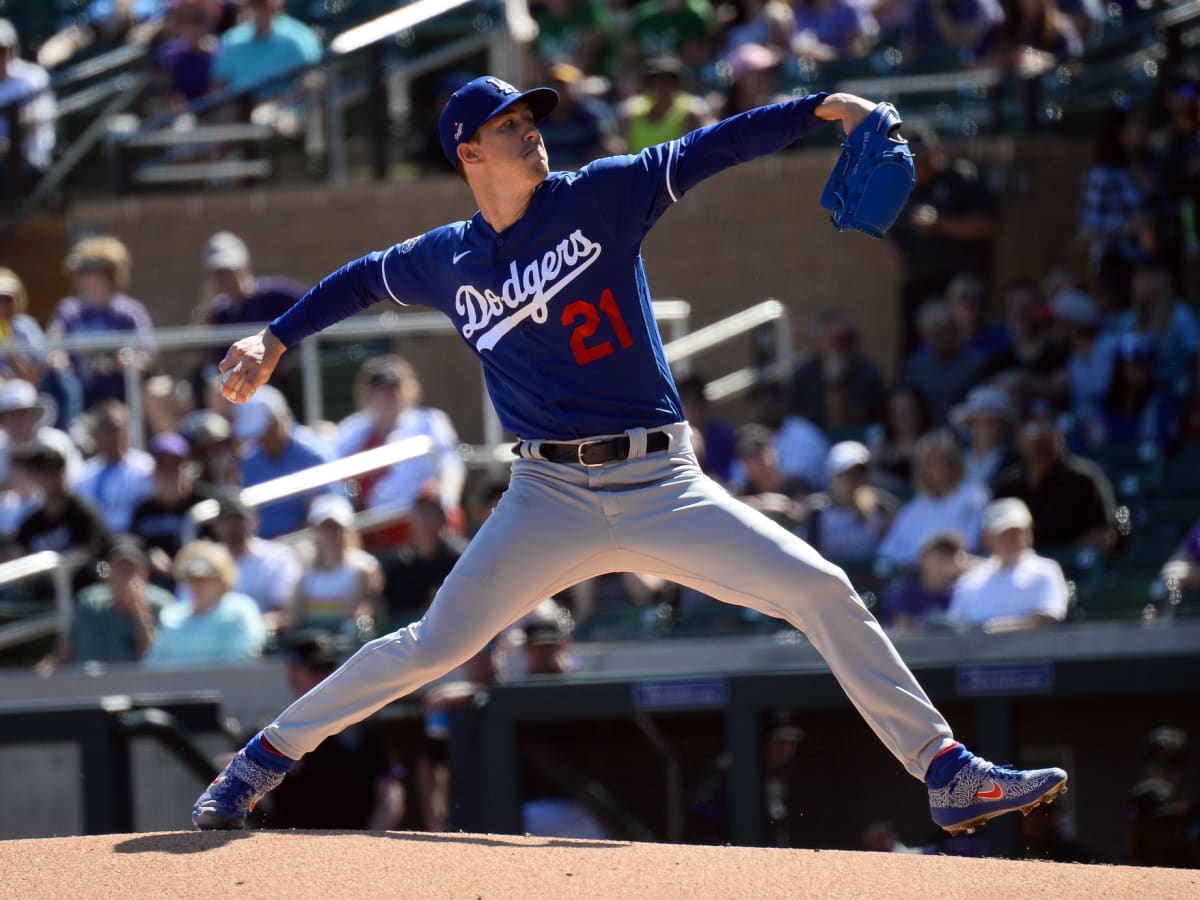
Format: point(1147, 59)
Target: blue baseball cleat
point(227, 802)
point(980, 791)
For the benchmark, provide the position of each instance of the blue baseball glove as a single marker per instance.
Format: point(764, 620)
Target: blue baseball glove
point(873, 177)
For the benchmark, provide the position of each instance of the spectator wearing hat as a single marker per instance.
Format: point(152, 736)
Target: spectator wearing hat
point(414, 573)
point(1137, 406)
point(118, 477)
point(267, 571)
point(388, 393)
point(213, 450)
point(25, 418)
point(26, 155)
point(216, 623)
point(766, 24)
point(987, 416)
point(1013, 588)
point(19, 330)
point(1158, 314)
point(847, 522)
point(352, 781)
point(340, 590)
point(161, 520)
point(828, 30)
point(662, 110)
point(1092, 354)
point(240, 295)
point(753, 75)
point(835, 385)
point(944, 501)
point(183, 63)
point(61, 522)
point(919, 600)
point(100, 269)
point(580, 128)
point(277, 447)
point(1070, 498)
point(114, 620)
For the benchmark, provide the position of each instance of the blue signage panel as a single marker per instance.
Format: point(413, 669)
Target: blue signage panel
point(1032, 678)
point(691, 694)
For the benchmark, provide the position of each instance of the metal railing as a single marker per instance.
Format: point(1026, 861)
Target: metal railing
point(61, 567)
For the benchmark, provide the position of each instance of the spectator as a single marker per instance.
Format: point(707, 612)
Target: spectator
point(61, 522)
point(1070, 498)
point(270, 43)
point(26, 155)
point(1175, 155)
point(1158, 314)
point(577, 31)
point(413, 575)
point(339, 592)
point(1013, 588)
point(943, 370)
point(768, 24)
point(681, 28)
point(114, 620)
point(964, 26)
point(1138, 408)
point(919, 600)
point(25, 418)
point(944, 501)
point(580, 128)
point(663, 111)
point(753, 76)
point(758, 481)
point(946, 228)
point(1034, 349)
point(216, 624)
point(277, 447)
point(799, 445)
point(967, 297)
point(988, 418)
point(906, 419)
point(1114, 208)
point(213, 450)
point(161, 520)
point(1163, 816)
point(241, 296)
point(183, 64)
point(267, 571)
point(713, 438)
point(104, 25)
point(847, 522)
point(1182, 570)
point(1092, 355)
point(119, 476)
point(100, 269)
point(352, 780)
point(18, 329)
point(1034, 36)
point(835, 386)
point(388, 394)
point(833, 29)
point(165, 401)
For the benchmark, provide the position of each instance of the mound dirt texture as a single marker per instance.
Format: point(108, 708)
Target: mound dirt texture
point(402, 864)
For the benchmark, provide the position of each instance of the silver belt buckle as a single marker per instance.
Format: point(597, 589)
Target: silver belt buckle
point(579, 454)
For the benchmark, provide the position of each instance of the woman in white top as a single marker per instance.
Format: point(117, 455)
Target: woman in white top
point(340, 590)
point(945, 501)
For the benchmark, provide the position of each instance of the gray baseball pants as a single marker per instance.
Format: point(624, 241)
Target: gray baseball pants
point(558, 524)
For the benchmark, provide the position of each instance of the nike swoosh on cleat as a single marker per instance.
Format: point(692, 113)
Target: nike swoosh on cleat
point(458, 256)
point(993, 793)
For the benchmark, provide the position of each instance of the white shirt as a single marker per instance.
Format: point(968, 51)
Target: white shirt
point(115, 489)
point(268, 572)
point(24, 79)
point(802, 448)
point(1034, 586)
point(924, 516)
point(403, 483)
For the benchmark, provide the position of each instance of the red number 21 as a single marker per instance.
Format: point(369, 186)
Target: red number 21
point(582, 309)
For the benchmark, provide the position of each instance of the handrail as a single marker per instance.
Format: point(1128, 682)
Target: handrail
point(62, 567)
point(390, 24)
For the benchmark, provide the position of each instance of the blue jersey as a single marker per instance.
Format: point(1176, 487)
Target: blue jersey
point(556, 306)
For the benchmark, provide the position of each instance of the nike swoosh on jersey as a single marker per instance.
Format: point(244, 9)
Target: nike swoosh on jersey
point(458, 256)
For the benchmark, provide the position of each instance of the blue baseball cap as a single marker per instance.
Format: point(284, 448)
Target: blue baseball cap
point(482, 99)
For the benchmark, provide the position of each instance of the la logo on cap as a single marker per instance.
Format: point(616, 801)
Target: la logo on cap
point(458, 131)
point(502, 86)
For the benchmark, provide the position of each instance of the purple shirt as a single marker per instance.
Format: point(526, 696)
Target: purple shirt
point(906, 597)
point(100, 375)
point(188, 67)
point(272, 297)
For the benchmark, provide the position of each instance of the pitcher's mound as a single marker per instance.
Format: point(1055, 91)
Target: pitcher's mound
point(299, 864)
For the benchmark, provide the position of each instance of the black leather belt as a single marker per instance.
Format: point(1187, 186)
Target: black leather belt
point(600, 451)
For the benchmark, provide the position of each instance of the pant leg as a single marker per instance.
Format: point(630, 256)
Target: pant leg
point(543, 536)
point(690, 530)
